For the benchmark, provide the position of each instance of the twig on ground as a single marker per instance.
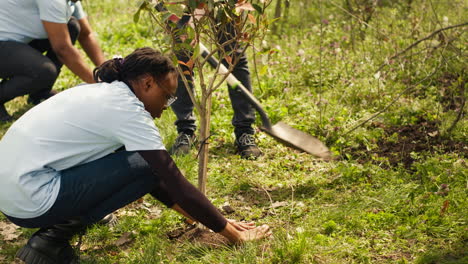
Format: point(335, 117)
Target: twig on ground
point(269, 196)
point(419, 41)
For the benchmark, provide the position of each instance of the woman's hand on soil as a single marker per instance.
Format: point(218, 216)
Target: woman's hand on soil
point(239, 232)
point(241, 225)
point(255, 233)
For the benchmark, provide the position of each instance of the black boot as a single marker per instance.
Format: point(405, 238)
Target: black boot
point(4, 116)
point(51, 245)
point(38, 98)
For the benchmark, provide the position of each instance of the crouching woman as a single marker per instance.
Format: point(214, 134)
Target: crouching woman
point(61, 172)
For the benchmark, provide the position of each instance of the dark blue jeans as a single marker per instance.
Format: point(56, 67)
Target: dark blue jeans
point(25, 70)
point(244, 114)
point(92, 190)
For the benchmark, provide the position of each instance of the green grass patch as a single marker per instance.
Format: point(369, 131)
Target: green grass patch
point(397, 192)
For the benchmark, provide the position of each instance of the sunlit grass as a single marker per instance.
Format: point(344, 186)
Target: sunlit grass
point(361, 208)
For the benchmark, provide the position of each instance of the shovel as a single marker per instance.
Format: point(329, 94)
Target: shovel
point(280, 131)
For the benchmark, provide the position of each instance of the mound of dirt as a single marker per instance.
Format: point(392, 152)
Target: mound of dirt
point(421, 137)
point(200, 235)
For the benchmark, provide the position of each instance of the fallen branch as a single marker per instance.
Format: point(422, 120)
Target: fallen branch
point(421, 40)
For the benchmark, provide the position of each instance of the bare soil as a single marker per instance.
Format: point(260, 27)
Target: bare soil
point(423, 136)
point(199, 235)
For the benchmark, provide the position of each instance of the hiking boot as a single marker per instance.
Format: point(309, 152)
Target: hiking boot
point(109, 220)
point(4, 116)
point(247, 147)
point(51, 245)
point(39, 250)
point(35, 100)
point(182, 144)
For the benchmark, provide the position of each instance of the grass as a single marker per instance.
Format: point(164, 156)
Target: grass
point(396, 195)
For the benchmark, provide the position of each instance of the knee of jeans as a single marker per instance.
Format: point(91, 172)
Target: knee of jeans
point(242, 63)
point(47, 74)
point(243, 59)
point(74, 28)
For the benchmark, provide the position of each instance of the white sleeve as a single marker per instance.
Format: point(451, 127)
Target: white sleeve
point(139, 133)
point(79, 12)
point(55, 11)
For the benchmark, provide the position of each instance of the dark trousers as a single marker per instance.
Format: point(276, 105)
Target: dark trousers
point(25, 70)
point(244, 114)
point(91, 191)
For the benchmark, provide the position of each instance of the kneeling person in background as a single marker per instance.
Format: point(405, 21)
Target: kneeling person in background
point(29, 28)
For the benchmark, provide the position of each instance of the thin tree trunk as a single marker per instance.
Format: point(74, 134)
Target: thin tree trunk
point(287, 4)
point(205, 118)
point(277, 16)
point(350, 10)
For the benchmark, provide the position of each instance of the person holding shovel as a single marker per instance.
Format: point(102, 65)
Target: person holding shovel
point(244, 114)
point(29, 28)
point(63, 171)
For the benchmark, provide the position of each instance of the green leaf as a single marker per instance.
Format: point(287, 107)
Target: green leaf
point(196, 51)
point(263, 70)
point(176, 9)
point(175, 61)
point(192, 4)
point(232, 3)
point(167, 39)
point(258, 8)
point(166, 15)
point(136, 16)
point(142, 5)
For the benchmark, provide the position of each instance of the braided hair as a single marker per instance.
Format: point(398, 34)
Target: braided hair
point(140, 62)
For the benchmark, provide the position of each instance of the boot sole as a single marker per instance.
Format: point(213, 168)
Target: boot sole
point(32, 256)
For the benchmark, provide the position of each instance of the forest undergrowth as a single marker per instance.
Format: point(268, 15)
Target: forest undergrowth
point(382, 83)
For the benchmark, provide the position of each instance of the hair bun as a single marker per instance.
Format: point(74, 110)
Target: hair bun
point(118, 64)
point(109, 71)
point(119, 60)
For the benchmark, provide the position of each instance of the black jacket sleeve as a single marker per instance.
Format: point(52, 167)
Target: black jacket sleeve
point(161, 193)
point(182, 192)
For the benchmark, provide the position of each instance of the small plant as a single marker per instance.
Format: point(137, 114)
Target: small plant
point(228, 27)
point(330, 227)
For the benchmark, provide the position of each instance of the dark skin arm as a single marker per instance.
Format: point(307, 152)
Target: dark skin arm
point(59, 38)
point(182, 192)
point(89, 42)
point(179, 194)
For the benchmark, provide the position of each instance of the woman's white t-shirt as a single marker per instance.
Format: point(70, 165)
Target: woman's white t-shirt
point(74, 127)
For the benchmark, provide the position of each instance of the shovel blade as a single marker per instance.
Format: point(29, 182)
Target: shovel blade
point(298, 140)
